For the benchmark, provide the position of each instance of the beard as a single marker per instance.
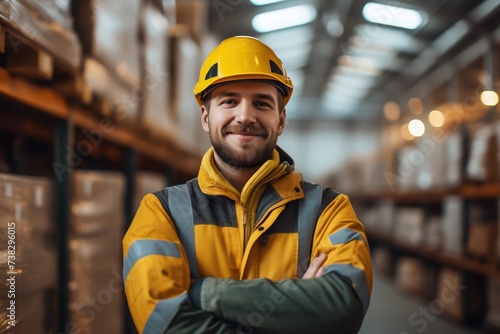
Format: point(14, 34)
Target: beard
point(251, 157)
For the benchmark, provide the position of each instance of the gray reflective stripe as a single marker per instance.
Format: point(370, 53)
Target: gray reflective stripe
point(308, 215)
point(344, 236)
point(145, 247)
point(179, 204)
point(163, 313)
point(357, 278)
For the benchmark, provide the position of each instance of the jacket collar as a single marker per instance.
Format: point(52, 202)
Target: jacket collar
point(212, 182)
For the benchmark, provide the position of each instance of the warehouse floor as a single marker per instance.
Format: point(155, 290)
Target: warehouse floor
point(391, 312)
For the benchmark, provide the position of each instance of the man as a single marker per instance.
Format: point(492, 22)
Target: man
point(247, 246)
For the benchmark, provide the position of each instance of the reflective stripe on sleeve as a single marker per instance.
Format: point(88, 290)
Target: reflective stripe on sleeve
point(308, 212)
point(344, 236)
point(357, 278)
point(179, 204)
point(145, 247)
point(163, 314)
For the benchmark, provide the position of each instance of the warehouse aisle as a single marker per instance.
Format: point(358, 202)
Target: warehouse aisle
point(390, 313)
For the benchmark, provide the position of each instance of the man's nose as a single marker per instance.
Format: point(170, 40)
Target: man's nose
point(245, 113)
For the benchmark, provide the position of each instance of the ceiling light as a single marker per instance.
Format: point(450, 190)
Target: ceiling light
point(263, 2)
point(283, 18)
point(391, 111)
point(392, 15)
point(288, 38)
point(416, 128)
point(373, 36)
point(489, 98)
point(436, 118)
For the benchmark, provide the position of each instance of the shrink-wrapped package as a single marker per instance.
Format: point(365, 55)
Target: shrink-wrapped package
point(28, 257)
point(145, 183)
point(45, 25)
point(185, 65)
point(156, 114)
point(109, 30)
point(96, 300)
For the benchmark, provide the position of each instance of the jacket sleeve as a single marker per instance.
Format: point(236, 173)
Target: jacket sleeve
point(157, 277)
point(320, 305)
point(333, 303)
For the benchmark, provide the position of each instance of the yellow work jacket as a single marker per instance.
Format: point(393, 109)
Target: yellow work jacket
point(261, 240)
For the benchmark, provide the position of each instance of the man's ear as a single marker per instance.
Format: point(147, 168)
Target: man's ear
point(204, 118)
point(282, 123)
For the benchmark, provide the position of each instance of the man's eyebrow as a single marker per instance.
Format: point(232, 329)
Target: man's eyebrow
point(262, 96)
point(227, 94)
point(266, 97)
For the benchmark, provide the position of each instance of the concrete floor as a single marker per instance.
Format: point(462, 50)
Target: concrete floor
point(391, 313)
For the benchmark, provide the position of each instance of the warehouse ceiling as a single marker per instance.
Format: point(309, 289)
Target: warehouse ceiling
point(346, 68)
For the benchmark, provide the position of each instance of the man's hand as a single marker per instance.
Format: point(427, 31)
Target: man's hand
point(315, 268)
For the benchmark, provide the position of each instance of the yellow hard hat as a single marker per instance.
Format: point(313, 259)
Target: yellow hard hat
point(242, 58)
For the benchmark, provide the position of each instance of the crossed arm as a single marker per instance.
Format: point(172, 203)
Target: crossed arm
point(310, 305)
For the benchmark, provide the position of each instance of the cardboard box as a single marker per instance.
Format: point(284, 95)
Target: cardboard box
point(410, 276)
point(193, 14)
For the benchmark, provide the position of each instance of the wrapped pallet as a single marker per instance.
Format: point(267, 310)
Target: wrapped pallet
point(145, 183)
point(184, 67)
point(109, 30)
point(482, 164)
point(453, 220)
point(453, 157)
point(409, 226)
point(156, 114)
point(28, 256)
point(96, 300)
point(45, 25)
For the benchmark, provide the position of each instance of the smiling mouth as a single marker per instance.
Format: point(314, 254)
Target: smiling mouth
point(245, 132)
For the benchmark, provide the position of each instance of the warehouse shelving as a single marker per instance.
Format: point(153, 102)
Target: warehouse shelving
point(34, 112)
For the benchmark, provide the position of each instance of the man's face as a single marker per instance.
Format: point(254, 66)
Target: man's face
point(244, 122)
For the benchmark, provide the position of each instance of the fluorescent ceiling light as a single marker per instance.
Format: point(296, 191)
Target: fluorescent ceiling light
point(284, 18)
point(372, 36)
point(263, 2)
point(288, 38)
point(392, 15)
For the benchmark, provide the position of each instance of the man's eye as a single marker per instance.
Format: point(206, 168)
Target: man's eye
point(262, 104)
point(228, 102)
